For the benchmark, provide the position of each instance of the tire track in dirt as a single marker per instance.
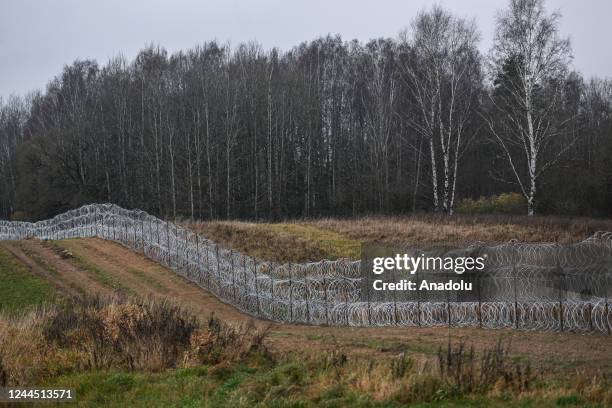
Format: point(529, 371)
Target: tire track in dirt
point(46, 263)
point(149, 279)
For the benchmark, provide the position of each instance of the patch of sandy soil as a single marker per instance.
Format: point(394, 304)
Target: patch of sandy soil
point(552, 352)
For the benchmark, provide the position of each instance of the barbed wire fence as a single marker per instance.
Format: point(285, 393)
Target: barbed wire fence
point(524, 286)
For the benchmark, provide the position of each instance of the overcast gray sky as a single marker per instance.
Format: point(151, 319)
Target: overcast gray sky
point(39, 37)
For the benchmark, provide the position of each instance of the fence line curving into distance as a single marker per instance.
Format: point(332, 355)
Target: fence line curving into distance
point(525, 286)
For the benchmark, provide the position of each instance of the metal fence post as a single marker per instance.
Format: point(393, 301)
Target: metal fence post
point(590, 309)
point(125, 231)
point(448, 308)
point(207, 271)
point(168, 253)
point(368, 286)
point(135, 244)
point(157, 233)
point(142, 235)
point(199, 259)
point(150, 233)
point(307, 281)
point(514, 284)
point(176, 248)
point(561, 283)
point(607, 306)
point(418, 296)
point(272, 308)
point(244, 280)
point(326, 301)
point(187, 263)
point(233, 273)
point(218, 266)
point(96, 220)
point(186, 258)
point(395, 317)
point(478, 291)
point(346, 309)
point(256, 286)
point(291, 292)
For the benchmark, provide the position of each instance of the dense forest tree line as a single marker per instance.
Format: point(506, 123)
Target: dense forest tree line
point(326, 128)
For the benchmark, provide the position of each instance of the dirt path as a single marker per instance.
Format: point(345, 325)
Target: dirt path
point(42, 260)
point(147, 278)
point(105, 267)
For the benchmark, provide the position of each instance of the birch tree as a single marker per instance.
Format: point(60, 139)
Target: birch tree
point(442, 74)
point(529, 63)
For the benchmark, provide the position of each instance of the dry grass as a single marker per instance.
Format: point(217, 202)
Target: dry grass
point(462, 370)
point(99, 336)
point(457, 371)
point(313, 240)
point(116, 333)
point(289, 242)
point(95, 333)
point(431, 228)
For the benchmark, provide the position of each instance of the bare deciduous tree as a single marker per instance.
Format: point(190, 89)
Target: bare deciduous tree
point(529, 62)
point(443, 77)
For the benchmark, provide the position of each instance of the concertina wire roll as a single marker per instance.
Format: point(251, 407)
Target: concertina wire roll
point(525, 286)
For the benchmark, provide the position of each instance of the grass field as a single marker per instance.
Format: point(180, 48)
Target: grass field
point(266, 364)
point(288, 384)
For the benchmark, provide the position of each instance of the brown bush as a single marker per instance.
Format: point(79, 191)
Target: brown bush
point(115, 333)
point(220, 342)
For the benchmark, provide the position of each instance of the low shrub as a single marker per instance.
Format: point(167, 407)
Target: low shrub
point(505, 203)
point(219, 342)
point(93, 333)
point(116, 333)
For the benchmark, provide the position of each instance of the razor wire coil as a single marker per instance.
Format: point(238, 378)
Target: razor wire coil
point(527, 286)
